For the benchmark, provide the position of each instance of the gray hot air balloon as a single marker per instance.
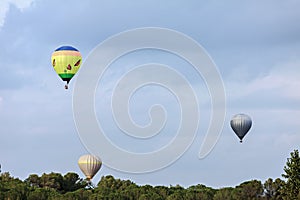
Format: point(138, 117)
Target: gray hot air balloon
point(89, 165)
point(241, 124)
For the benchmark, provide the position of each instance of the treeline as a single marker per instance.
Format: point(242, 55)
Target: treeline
point(54, 186)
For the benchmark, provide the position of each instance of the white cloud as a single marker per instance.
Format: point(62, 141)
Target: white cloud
point(5, 4)
point(4, 7)
point(1, 101)
point(283, 82)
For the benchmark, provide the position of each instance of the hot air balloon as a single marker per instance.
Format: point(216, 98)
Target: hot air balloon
point(241, 124)
point(89, 165)
point(66, 61)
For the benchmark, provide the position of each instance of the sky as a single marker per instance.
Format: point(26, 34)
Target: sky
point(254, 44)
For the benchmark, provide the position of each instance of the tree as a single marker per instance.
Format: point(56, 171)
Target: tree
point(33, 180)
point(176, 196)
point(150, 196)
point(272, 188)
point(52, 180)
point(249, 190)
point(80, 194)
point(224, 194)
point(12, 188)
point(163, 191)
point(292, 173)
point(72, 182)
point(176, 193)
point(39, 193)
point(199, 192)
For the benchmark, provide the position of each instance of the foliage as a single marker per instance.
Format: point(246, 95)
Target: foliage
point(249, 190)
point(54, 186)
point(291, 190)
point(272, 189)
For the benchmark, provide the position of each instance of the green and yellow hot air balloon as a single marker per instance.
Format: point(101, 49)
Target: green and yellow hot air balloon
point(66, 61)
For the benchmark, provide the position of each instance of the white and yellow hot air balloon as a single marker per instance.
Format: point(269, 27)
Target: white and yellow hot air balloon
point(89, 165)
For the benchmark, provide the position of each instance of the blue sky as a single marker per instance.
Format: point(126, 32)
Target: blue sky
point(254, 44)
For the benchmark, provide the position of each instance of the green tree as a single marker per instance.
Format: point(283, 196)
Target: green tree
point(12, 188)
point(199, 192)
point(111, 188)
point(149, 192)
point(109, 182)
point(150, 196)
point(176, 192)
point(292, 173)
point(39, 193)
point(163, 191)
point(249, 190)
point(80, 194)
point(33, 180)
point(72, 182)
point(52, 180)
point(176, 196)
point(224, 194)
point(131, 191)
point(272, 188)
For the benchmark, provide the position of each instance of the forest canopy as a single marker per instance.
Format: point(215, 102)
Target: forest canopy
point(55, 186)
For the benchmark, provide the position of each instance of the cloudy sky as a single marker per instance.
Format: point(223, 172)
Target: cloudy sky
point(254, 44)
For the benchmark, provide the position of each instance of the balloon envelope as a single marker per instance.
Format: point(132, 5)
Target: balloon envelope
point(89, 165)
point(241, 124)
point(66, 61)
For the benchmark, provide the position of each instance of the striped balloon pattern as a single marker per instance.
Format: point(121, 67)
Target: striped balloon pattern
point(89, 165)
point(66, 61)
point(241, 124)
